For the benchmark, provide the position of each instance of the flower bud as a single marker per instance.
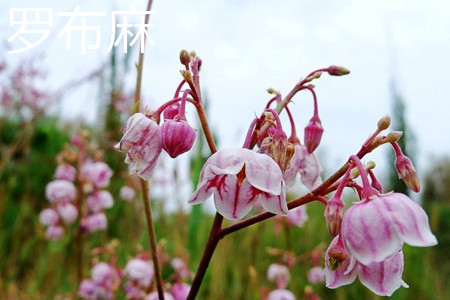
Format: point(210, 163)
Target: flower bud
point(185, 58)
point(337, 71)
point(177, 137)
point(394, 136)
point(171, 111)
point(313, 134)
point(275, 146)
point(407, 172)
point(384, 122)
point(333, 215)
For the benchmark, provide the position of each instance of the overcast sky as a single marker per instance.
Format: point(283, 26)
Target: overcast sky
point(248, 46)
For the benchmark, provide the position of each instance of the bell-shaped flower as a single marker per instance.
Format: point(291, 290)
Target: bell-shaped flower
point(383, 278)
point(68, 212)
point(305, 163)
point(279, 274)
point(239, 178)
point(376, 228)
point(48, 217)
point(313, 134)
point(99, 201)
point(60, 191)
point(95, 222)
point(66, 172)
point(177, 137)
point(141, 141)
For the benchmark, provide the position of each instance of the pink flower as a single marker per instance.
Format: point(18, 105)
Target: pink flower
point(68, 212)
point(140, 270)
point(127, 193)
point(60, 191)
point(238, 178)
point(407, 172)
point(298, 216)
point(316, 275)
point(177, 137)
point(313, 134)
point(141, 141)
point(98, 173)
point(154, 296)
point(280, 294)
point(180, 267)
point(48, 217)
point(279, 274)
point(383, 278)
point(308, 165)
point(333, 214)
point(88, 290)
point(376, 227)
point(54, 232)
point(95, 222)
point(180, 291)
point(66, 172)
point(105, 275)
point(99, 201)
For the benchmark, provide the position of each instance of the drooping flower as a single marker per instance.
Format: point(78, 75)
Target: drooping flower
point(95, 222)
point(407, 172)
point(60, 191)
point(48, 217)
point(281, 294)
point(180, 291)
point(376, 227)
point(313, 134)
point(305, 163)
point(98, 173)
point(238, 178)
point(177, 137)
point(141, 141)
point(333, 214)
point(341, 268)
point(316, 275)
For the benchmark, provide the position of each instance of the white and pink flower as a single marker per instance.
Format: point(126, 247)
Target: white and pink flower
point(307, 164)
point(238, 178)
point(60, 191)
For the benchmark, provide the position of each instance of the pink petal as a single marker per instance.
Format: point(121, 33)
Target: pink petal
point(343, 275)
point(309, 169)
point(290, 174)
point(205, 191)
point(233, 201)
point(263, 172)
point(275, 203)
point(411, 221)
point(385, 277)
point(368, 232)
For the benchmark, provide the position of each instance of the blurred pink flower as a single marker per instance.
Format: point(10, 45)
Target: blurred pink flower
point(180, 291)
point(281, 294)
point(68, 212)
point(140, 270)
point(141, 141)
point(127, 193)
point(100, 200)
point(54, 232)
point(316, 275)
point(154, 296)
point(66, 172)
point(239, 178)
point(298, 216)
point(48, 217)
point(60, 191)
point(279, 274)
point(95, 222)
point(98, 173)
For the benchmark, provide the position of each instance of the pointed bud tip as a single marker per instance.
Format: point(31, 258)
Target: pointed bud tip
point(185, 58)
point(384, 122)
point(338, 71)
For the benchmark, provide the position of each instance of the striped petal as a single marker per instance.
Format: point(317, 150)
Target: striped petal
point(344, 274)
point(410, 220)
point(385, 277)
point(263, 172)
point(233, 201)
point(290, 174)
point(309, 169)
point(368, 232)
point(275, 203)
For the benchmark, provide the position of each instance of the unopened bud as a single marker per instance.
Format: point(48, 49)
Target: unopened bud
point(393, 136)
point(313, 134)
point(185, 58)
point(177, 137)
point(354, 173)
point(333, 215)
point(272, 91)
point(371, 165)
point(193, 54)
point(337, 71)
point(171, 111)
point(314, 76)
point(186, 75)
point(384, 122)
point(407, 172)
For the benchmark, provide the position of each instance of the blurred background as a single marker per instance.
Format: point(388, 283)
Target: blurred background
point(397, 52)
